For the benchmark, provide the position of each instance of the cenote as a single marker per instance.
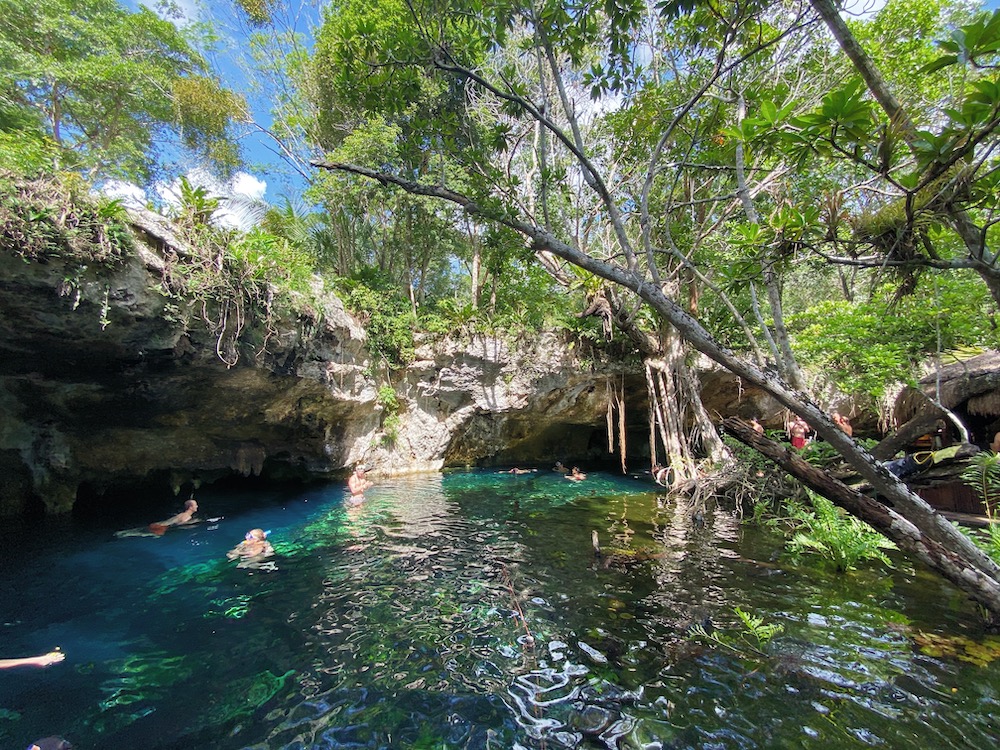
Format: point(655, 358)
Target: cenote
point(467, 610)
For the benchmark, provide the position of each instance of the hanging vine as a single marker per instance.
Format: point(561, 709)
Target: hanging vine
point(616, 402)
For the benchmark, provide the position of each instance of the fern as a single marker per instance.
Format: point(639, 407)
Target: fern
point(757, 628)
point(750, 640)
point(983, 476)
point(843, 540)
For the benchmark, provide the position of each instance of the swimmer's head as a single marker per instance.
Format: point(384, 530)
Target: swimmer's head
point(256, 535)
point(191, 504)
point(360, 469)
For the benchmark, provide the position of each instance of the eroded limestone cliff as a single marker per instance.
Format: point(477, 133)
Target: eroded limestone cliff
point(110, 382)
point(120, 376)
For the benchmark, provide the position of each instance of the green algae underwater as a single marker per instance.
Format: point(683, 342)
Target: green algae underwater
point(468, 610)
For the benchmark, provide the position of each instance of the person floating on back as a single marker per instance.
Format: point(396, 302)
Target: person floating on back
point(184, 517)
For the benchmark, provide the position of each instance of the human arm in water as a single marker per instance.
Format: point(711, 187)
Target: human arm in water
point(43, 660)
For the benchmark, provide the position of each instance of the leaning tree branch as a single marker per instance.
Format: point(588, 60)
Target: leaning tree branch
point(981, 580)
point(883, 518)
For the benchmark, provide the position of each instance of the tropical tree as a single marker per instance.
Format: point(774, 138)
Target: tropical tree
point(436, 71)
point(108, 86)
point(925, 195)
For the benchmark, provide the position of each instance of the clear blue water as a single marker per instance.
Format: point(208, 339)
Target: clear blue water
point(468, 611)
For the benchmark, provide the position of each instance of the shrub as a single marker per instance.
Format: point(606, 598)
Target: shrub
point(835, 536)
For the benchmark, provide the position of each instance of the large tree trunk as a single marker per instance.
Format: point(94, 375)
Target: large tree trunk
point(680, 419)
point(883, 518)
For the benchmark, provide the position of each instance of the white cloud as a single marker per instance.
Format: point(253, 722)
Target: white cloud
point(126, 192)
point(241, 198)
point(246, 184)
point(245, 205)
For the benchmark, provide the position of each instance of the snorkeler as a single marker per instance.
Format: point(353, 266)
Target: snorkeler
point(184, 517)
point(254, 547)
point(53, 657)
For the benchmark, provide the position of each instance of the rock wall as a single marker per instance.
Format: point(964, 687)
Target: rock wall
point(110, 384)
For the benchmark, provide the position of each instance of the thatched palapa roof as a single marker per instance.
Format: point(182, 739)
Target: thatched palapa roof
point(972, 384)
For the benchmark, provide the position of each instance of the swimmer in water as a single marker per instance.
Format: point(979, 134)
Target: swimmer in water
point(184, 517)
point(357, 484)
point(253, 547)
point(50, 743)
point(576, 475)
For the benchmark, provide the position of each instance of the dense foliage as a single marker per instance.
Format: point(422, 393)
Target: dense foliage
point(832, 210)
point(90, 86)
point(46, 219)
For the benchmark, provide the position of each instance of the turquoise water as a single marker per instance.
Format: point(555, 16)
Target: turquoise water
point(468, 611)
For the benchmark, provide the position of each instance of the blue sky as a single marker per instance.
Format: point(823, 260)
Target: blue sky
point(268, 176)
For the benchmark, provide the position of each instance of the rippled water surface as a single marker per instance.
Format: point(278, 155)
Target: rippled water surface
point(469, 611)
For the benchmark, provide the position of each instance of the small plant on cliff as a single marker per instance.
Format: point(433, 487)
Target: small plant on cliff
point(56, 218)
point(389, 401)
point(387, 318)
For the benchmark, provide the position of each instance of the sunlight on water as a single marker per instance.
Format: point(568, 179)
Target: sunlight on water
point(469, 611)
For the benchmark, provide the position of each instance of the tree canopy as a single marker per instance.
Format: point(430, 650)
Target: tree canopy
point(104, 87)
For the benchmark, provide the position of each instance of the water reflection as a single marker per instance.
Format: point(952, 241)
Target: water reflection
point(470, 611)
